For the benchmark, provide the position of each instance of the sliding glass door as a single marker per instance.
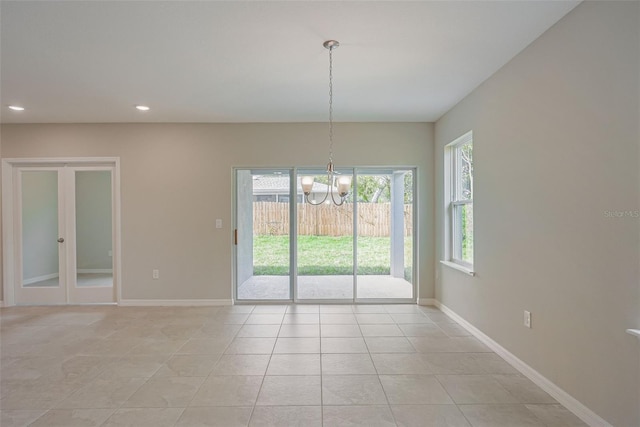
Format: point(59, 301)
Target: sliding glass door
point(385, 234)
point(262, 235)
point(311, 250)
point(324, 242)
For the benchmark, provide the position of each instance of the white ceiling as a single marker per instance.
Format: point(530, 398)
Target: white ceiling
point(241, 61)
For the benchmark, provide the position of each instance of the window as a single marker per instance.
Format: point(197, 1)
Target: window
point(460, 201)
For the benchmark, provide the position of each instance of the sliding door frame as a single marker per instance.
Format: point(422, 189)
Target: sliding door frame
point(293, 239)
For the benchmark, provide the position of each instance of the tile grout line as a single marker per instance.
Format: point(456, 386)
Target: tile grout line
point(376, 369)
point(264, 376)
point(320, 355)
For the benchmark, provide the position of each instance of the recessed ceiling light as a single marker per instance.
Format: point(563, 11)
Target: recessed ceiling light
point(142, 107)
point(16, 108)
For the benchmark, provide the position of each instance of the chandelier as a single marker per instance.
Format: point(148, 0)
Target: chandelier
point(336, 183)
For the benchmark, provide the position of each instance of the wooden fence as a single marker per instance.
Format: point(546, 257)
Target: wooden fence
point(374, 219)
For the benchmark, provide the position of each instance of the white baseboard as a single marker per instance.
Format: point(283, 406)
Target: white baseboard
point(95, 270)
point(173, 302)
point(427, 301)
point(40, 278)
point(568, 401)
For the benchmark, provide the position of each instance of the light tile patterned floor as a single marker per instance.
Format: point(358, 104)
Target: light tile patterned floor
point(297, 365)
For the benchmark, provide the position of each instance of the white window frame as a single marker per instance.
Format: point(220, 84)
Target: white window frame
point(453, 231)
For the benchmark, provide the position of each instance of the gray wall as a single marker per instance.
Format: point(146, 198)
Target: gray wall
point(555, 146)
point(177, 179)
point(39, 224)
point(1, 239)
point(93, 220)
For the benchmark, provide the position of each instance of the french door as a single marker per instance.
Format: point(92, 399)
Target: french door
point(287, 248)
point(63, 234)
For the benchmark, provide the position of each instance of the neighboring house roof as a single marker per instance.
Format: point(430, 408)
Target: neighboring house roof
point(265, 184)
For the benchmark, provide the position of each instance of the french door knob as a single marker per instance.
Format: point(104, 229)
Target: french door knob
point(61, 240)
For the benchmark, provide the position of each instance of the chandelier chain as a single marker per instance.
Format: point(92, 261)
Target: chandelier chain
point(331, 104)
point(335, 184)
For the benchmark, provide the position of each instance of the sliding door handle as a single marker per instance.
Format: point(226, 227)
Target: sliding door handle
point(61, 240)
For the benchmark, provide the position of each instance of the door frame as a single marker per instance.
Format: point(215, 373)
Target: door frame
point(293, 239)
point(10, 231)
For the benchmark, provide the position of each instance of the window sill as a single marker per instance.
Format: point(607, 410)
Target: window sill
point(459, 267)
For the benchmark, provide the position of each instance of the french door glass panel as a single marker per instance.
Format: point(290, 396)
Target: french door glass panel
point(385, 234)
point(263, 242)
point(94, 252)
point(324, 242)
point(92, 231)
point(41, 227)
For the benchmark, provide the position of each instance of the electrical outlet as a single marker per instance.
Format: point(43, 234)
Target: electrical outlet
point(156, 274)
point(218, 223)
point(110, 253)
point(527, 319)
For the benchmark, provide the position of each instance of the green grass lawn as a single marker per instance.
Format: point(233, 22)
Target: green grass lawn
point(324, 255)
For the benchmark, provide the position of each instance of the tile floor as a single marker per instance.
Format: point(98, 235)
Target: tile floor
point(297, 365)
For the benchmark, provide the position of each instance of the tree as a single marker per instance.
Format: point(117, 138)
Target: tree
point(466, 157)
point(374, 188)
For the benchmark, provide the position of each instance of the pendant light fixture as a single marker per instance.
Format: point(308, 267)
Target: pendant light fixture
point(336, 183)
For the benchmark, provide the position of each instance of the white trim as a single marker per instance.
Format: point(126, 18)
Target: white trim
point(58, 160)
point(8, 244)
point(635, 332)
point(40, 278)
point(116, 251)
point(427, 301)
point(174, 302)
point(564, 398)
point(461, 140)
point(94, 270)
point(458, 267)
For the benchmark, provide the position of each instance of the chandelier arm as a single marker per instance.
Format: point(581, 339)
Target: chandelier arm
point(342, 200)
point(306, 197)
point(324, 199)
